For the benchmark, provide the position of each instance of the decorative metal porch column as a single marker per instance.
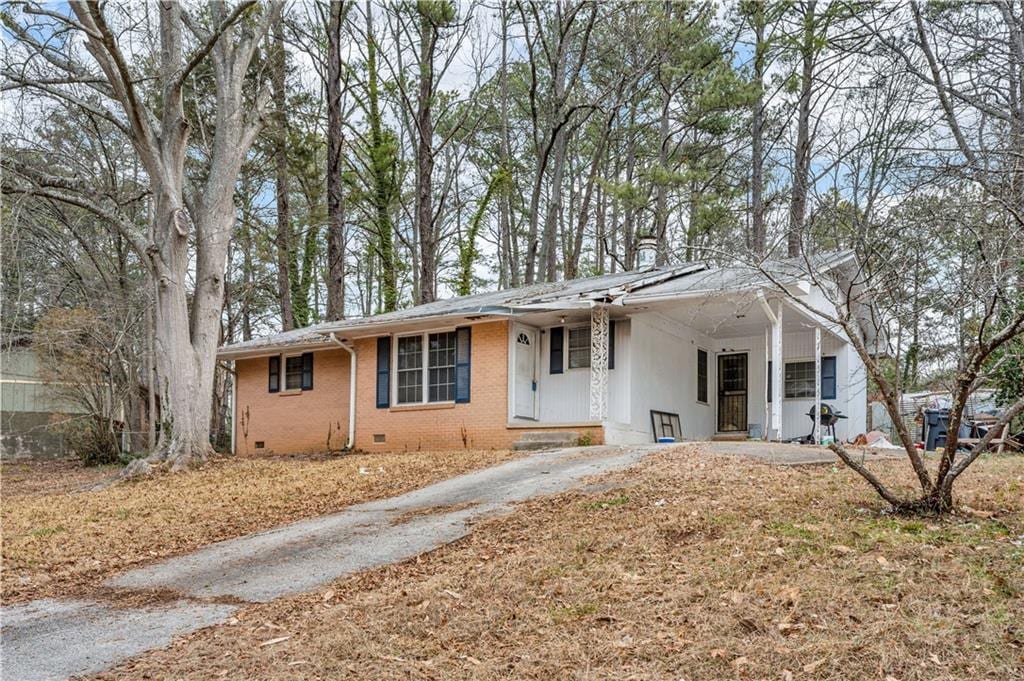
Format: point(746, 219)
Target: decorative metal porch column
point(598, 363)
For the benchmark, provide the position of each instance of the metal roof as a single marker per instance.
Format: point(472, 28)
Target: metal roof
point(622, 287)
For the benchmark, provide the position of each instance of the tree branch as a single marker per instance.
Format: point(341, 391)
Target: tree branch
point(200, 54)
point(863, 472)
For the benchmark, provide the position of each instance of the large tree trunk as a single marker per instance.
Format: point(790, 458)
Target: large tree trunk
point(661, 198)
point(802, 152)
point(572, 263)
point(283, 240)
point(757, 228)
point(548, 244)
point(508, 275)
point(382, 163)
point(425, 162)
point(187, 319)
point(335, 160)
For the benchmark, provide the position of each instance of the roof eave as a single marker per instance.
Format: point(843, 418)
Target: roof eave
point(228, 353)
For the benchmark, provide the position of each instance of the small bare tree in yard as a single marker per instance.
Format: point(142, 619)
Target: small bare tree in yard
point(973, 302)
point(140, 82)
point(939, 276)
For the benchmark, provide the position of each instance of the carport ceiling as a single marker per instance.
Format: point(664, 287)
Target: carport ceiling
point(731, 316)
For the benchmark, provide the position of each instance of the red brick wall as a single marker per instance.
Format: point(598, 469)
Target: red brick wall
point(300, 422)
point(293, 422)
point(479, 424)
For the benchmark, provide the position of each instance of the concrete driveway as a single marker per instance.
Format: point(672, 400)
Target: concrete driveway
point(56, 639)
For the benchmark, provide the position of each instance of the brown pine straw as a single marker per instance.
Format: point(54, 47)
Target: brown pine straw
point(59, 540)
point(689, 566)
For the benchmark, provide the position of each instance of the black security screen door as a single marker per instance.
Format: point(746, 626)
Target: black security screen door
point(732, 393)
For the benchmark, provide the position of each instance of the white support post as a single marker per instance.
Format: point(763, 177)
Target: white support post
point(777, 369)
point(767, 378)
point(817, 385)
point(598, 363)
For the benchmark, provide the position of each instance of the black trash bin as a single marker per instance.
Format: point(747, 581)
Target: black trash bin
point(936, 421)
point(936, 428)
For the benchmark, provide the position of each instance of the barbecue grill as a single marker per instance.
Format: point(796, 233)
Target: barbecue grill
point(829, 417)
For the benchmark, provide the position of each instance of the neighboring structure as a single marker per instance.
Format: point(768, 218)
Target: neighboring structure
point(588, 358)
point(27, 407)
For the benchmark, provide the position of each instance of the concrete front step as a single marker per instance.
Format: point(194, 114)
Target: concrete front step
point(542, 439)
point(730, 437)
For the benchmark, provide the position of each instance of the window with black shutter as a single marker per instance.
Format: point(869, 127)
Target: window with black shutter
point(828, 378)
point(293, 372)
point(557, 343)
point(702, 376)
point(383, 372)
point(274, 382)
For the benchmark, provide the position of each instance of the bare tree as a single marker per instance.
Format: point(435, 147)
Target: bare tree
point(336, 236)
point(283, 240)
point(188, 210)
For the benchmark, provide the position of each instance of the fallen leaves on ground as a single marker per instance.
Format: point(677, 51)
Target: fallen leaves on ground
point(576, 586)
point(65, 542)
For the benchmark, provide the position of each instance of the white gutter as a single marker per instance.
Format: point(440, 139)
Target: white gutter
point(351, 391)
point(234, 407)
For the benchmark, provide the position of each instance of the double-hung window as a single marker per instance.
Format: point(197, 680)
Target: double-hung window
point(579, 347)
point(425, 360)
point(441, 366)
point(800, 379)
point(290, 373)
point(293, 372)
point(410, 369)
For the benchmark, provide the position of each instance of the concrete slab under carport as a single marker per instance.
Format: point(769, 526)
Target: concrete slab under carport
point(789, 454)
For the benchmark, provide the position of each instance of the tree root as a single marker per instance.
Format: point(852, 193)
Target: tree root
point(173, 456)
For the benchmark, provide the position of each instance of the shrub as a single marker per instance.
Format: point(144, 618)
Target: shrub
point(91, 440)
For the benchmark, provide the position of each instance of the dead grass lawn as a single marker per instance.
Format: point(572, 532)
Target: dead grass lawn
point(51, 476)
point(694, 567)
point(58, 542)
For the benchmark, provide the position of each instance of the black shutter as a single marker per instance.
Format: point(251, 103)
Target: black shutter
point(611, 344)
point(828, 378)
point(384, 372)
point(702, 376)
point(274, 383)
point(307, 371)
point(557, 349)
point(463, 349)
point(769, 380)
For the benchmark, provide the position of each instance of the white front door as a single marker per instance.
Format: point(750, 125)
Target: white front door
point(525, 381)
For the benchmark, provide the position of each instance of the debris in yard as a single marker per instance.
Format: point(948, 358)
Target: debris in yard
point(279, 639)
point(875, 440)
point(813, 666)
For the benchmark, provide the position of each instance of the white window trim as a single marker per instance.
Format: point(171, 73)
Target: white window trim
point(282, 381)
point(804, 360)
point(565, 348)
point(425, 369)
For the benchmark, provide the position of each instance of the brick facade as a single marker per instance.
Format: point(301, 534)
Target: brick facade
point(292, 422)
point(301, 422)
point(479, 424)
